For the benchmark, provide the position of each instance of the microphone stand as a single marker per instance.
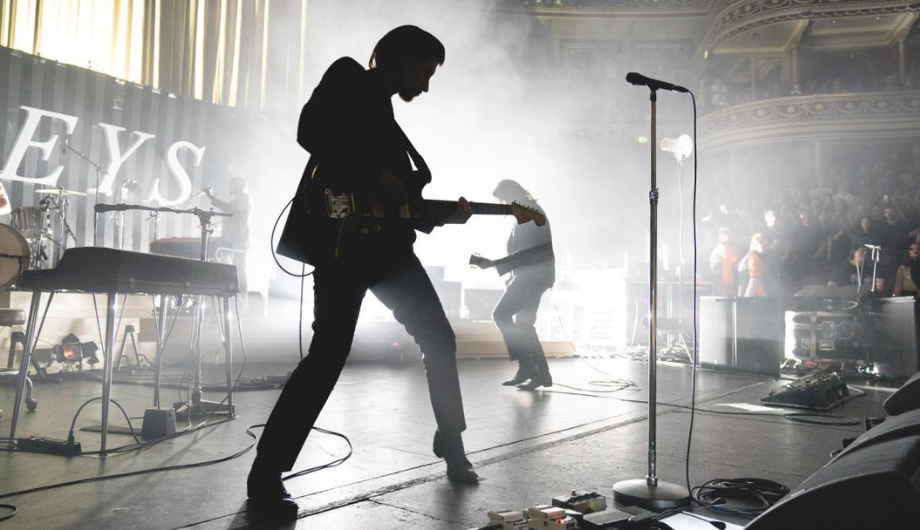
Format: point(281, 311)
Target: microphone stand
point(99, 172)
point(650, 493)
point(876, 254)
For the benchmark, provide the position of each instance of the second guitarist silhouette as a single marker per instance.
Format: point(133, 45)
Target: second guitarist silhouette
point(532, 268)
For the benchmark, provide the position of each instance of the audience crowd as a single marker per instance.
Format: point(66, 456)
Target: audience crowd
point(854, 227)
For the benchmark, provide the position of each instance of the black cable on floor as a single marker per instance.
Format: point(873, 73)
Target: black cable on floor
point(718, 493)
point(334, 463)
point(90, 480)
point(13, 512)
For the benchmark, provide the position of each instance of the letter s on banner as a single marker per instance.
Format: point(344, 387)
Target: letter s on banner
point(176, 169)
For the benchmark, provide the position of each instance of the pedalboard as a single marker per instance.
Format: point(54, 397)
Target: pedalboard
point(507, 520)
point(542, 516)
point(568, 512)
point(582, 501)
point(51, 446)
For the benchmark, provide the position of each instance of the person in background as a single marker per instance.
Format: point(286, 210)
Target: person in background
point(234, 232)
point(751, 268)
point(532, 268)
point(854, 271)
point(904, 281)
point(722, 262)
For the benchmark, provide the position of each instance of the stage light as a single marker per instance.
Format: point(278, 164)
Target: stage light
point(682, 147)
point(70, 350)
point(89, 352)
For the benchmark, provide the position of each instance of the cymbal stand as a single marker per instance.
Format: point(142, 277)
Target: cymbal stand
point(876, 255)
point(100, 172)
point(62, 206)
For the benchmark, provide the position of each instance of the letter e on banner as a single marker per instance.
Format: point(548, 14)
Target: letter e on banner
point(24, 141)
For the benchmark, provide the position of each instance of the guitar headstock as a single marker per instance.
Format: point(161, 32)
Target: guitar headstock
point(480, 262)
point(525, 213)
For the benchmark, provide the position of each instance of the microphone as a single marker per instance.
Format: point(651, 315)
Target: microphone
point(873, 247)
point(653, 84)
point(100, 208)
point(64, 144)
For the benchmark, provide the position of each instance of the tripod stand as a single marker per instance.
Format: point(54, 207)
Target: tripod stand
point(681, 148)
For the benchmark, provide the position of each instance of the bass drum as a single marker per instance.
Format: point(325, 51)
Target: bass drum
point(14, 255)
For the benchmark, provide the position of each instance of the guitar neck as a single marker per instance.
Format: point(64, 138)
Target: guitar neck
point(479, 208)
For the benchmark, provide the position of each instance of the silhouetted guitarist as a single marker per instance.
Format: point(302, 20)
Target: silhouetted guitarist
point(359, 153)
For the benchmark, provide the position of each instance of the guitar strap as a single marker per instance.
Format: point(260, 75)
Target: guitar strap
point(423, 171)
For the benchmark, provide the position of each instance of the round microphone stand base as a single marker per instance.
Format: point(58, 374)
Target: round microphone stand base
point(662, 496)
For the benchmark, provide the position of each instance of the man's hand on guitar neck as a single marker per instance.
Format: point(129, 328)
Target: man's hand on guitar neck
point(461, 215)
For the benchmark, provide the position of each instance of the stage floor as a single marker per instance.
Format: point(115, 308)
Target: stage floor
point(528, 447)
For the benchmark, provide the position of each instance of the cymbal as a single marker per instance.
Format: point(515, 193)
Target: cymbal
point(61, 191)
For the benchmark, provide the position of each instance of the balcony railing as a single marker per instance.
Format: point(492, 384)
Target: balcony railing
point(821, 116)
point(744, 16)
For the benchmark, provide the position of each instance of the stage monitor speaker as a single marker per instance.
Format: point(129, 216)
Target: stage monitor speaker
point(480, 303)
point(758, 335)
point(435, 272)
point(893, 349)
point(877, 486)
point(906, 398)
point(450, 294)
point(716, 332)
point(900, 426)
point(827, 298)
point(741, 334)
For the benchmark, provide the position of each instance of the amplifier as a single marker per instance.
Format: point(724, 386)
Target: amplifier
point(828, 298)
point(822, 336)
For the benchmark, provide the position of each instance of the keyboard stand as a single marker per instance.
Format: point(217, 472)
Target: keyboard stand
point(127, 273)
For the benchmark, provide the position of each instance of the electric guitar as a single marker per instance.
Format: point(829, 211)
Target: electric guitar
point(532, 255)
point(328, 222)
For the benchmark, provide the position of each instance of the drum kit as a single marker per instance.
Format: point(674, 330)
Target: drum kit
point(38, 233)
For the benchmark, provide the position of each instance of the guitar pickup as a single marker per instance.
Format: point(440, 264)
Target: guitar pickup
point(339, 206)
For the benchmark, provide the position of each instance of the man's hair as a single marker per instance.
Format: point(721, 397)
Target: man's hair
point(240, 182)
point(406, 43)
point(510, 189)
